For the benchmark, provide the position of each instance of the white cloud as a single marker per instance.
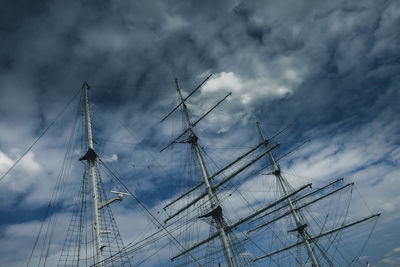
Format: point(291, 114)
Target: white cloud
point(111, 158)
point(246, 91)
point(224, 81)
point(5, 162)
point(248, 95)
point(395, 155)
point(392, 258)
point(18, 240)
point(363, 154)
point(20, 178)
point(29, 163)
point(173, 23)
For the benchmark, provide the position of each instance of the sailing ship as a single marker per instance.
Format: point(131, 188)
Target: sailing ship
point(213, 222)
point(237, 231)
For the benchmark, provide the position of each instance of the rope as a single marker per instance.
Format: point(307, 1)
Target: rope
point(56, 196)
point(147, 211)
point(39, 137)
point(357, 258)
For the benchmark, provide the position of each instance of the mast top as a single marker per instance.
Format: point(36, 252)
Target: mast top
point(90, 154)
point(85, 85)
point(191, 124)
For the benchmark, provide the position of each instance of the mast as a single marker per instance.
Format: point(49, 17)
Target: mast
point(300, 228)
point(216, 212)
point(91, 156)
point(93, 236)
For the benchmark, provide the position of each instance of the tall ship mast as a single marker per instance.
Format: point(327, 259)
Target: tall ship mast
point(92, 237)
point(107, 239)
point(278, 231)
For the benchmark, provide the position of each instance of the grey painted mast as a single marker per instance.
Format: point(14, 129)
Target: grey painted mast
point(300, 227)
point(216, 208)
point(90, 157)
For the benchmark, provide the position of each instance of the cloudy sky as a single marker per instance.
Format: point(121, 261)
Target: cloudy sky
point(331, 69)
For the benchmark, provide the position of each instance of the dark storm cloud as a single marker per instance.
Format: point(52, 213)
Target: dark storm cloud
point(335, 60)
point(339, 46)
point(315, 64)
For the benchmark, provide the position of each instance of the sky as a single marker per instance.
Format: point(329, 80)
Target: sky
point(330, 69)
